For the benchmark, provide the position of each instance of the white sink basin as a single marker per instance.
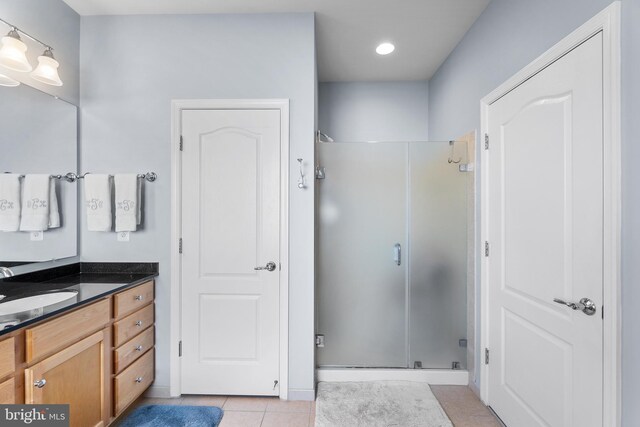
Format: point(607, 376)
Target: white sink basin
point(35, 302)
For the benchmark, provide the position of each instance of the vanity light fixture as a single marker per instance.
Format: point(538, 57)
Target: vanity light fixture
point(13, 56)
point(8, 81)
point(385, 48)
point(47, 69)
point(13, 53)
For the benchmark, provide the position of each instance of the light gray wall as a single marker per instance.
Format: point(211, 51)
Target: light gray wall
point(54, 23)
point(131, 69)
point(374, 111)
point(630, 212)
point(508, 36)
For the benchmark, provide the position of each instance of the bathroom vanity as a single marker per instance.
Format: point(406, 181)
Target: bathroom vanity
point(94, 351)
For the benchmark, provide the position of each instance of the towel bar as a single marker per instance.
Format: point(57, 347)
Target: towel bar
point(72, 177)
point(149, 176)
point(69, 177)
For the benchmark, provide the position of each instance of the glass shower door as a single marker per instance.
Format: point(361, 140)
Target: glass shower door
point(362, 229)
point(438, 257)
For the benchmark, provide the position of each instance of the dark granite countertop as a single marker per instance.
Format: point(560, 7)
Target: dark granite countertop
point(85, 283)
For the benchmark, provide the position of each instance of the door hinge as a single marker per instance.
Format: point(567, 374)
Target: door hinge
point(486, 141)
point(486, 356)
point(179, 348)
point(180, 245)
point(486, 248)
point(319, 340)
point(181, 143)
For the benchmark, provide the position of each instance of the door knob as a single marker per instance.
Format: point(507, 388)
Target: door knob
point(585, 305)
point(269, 267)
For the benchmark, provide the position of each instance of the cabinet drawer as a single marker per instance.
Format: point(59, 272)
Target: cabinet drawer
point(130, 351)
point(133, 381)
point(7, 357)
point(62, 331)
point(131, 300)
point(8, 392)
point(132, 325)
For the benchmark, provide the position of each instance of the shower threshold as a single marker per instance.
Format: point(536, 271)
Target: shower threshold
point(430, 376)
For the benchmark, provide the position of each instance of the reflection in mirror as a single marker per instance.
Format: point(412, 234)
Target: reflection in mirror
point(38, 135)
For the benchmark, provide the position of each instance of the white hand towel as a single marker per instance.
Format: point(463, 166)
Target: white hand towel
point(97, 197)
point(54, 211)
point(9, 202)
point(139, 210)
point(35, 203)
point(127, 202)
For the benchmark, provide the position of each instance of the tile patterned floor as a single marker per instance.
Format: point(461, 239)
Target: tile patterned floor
point(460, 403)
point(248, 411)
point(463, 407)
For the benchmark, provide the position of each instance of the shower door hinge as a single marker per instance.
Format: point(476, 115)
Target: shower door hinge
point(181, 143)
point(179, 348)
point(486, 248)
point(486, 141)
point(486, 356)
point(180, 245)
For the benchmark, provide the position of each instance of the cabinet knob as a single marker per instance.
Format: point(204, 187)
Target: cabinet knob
point(139, 323)
point(139, 348)
point(139, 379)
point(41, 383)
point(138, 297)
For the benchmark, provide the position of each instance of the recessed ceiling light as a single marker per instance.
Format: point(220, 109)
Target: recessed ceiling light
point(385, 48)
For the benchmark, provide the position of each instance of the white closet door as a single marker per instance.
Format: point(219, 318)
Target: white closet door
point(230, 226)
point(545, 172)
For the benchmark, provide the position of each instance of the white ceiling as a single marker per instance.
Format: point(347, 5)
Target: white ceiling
point(348, 31)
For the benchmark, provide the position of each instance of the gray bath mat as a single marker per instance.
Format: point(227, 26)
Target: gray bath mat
point(378, 404)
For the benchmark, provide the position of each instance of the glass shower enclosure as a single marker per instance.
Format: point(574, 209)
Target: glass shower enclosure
point(392, 255)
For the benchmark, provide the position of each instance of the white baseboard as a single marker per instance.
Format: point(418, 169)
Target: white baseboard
point(431, 376)
point(308, 395)
point(158, 392)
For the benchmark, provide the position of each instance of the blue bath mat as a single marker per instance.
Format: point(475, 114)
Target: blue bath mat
point(173, 416)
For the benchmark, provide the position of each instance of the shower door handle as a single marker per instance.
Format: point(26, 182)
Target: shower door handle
point(397, 253)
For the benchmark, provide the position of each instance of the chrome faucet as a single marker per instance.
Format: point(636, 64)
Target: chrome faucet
point(5, 272)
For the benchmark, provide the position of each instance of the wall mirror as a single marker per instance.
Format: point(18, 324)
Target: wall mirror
point(38, 135)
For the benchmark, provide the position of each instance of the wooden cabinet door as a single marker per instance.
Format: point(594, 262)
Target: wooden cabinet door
point(8, 392)
point(74, 376)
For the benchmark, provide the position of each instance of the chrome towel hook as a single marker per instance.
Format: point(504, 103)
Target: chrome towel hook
point(301, 184)
point(452, 144)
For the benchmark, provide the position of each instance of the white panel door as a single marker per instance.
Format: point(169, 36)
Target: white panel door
point(230, 226)
point(545, 228)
